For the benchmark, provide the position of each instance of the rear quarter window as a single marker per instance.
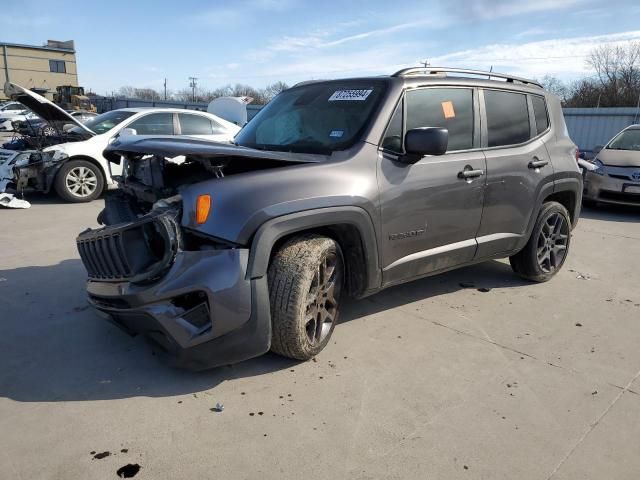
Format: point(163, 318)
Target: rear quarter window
point(507, 118)
point(540, 113)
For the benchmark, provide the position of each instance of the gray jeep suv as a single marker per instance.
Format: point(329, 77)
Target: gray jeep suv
point(221, 252)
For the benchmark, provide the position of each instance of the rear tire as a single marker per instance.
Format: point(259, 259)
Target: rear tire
point(548, 246)
point(79, 181)
point(306, 279)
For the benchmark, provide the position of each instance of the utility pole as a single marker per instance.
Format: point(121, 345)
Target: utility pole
point(165, 89)
point(425, 63)
point(193, 84)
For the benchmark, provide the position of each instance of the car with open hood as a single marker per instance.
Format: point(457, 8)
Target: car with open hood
point(615, 177)
point(70, 159)
point(218, 253)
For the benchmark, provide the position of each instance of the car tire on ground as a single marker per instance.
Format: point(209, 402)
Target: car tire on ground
point(548, 246)
point(306, 279)
point(79, 181)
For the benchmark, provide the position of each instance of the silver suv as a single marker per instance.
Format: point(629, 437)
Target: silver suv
point(219, 253)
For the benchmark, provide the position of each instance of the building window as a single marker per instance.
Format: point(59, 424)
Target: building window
point(57, 66)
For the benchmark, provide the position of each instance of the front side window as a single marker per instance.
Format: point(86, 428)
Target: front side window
point(507, 118)
point(627, 140)
point(194, 124)
point(57, 66)
point(392, 140)
point(540, 112)
point(315, 118)
point(450, 108)
point(153, 124)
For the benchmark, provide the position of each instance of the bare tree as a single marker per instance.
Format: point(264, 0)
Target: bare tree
point(617, 69)
point(274, 89)
point(555, 86)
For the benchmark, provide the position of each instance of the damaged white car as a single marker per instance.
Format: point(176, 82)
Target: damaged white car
point(71, 162)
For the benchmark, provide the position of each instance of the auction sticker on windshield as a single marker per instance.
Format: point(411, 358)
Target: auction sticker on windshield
point(352, 95)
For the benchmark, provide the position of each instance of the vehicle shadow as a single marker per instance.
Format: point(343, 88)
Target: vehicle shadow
point(611, 213)
point(54, 347)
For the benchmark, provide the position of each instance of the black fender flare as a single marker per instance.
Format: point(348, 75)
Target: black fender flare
point(276, 228)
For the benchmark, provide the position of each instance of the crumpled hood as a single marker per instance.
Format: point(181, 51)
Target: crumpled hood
point(171, 146)
point(44, 108)
point(619, 158)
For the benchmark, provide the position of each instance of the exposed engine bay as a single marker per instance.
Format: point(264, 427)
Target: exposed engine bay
point(20, 170)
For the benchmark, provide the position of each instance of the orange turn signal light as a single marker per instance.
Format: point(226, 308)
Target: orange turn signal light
point(203, 205)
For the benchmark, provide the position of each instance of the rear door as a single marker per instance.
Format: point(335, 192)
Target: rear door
point(430, 213)
point(517, 166)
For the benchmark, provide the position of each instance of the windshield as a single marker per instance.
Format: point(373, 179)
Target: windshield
point(104, 122)
point(627, 140)
point(315, 118)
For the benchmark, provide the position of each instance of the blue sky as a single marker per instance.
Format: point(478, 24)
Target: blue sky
point(139, 43)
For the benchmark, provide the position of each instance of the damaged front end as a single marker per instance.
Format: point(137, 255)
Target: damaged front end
point(30, 169)
point(152, 273)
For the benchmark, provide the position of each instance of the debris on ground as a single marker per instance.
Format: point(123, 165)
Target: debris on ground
point(218, 408)
point(9, 200)
point(484, 289)
point(578, 324)
point(101, 455)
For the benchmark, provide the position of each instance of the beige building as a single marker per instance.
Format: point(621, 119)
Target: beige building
point(39, 68)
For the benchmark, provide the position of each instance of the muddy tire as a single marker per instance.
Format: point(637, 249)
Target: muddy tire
point(306, 279)
point(548, 245)
point(79, 181)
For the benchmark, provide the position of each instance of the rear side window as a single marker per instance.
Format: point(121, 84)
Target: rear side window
point(154, 124)
point(194, 124)
point(507, 118)
point(540, 112)
point(450, 108)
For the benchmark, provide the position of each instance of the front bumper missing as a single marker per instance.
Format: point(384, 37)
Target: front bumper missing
point(29, 169)
point(225, 320)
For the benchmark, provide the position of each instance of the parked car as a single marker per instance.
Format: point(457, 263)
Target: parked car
point(334, 188)
point(13, 111)
point(73, 163)
point(34, 125)
point(616, 176)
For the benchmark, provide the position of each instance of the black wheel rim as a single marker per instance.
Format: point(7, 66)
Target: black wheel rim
point(553, 242)
point(323, 298)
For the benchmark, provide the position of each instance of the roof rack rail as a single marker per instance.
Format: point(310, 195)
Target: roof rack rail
point(407, 72)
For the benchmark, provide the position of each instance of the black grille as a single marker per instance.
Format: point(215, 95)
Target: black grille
point(105, 256)
point(134, 251)
point(620, 197)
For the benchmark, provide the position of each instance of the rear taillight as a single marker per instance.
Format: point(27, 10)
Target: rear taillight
point(577, 155)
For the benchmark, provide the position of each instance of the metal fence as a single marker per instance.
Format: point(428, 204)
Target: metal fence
point(589, 127)
point(105, 104)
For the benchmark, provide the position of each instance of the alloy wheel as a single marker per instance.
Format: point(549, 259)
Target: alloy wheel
point(552, 243)
point(81, 181)
point(323, 298)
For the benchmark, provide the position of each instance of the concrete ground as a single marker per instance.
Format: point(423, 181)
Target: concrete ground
point(433, 379)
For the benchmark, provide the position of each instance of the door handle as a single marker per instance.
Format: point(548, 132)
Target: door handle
point(537, 163)
point(470, 173)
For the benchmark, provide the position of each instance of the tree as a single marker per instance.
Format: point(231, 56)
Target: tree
point(617, 69)
point(555, 86)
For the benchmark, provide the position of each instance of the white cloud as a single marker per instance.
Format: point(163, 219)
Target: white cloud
point(562, 57)
point(490, 9)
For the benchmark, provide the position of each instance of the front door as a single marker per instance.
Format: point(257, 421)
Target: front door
point(431, 210)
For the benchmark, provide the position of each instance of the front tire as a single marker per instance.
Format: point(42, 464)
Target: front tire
point(306, 279)
point(79, 181)
point(548, 246)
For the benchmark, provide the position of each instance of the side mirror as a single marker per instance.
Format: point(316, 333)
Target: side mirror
point(419, 142)
point(127, 132)
point(597, 149)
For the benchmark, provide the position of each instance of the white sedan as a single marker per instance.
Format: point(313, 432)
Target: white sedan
point(85, 173)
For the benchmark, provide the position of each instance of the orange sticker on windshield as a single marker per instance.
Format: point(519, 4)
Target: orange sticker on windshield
point(447, 109)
